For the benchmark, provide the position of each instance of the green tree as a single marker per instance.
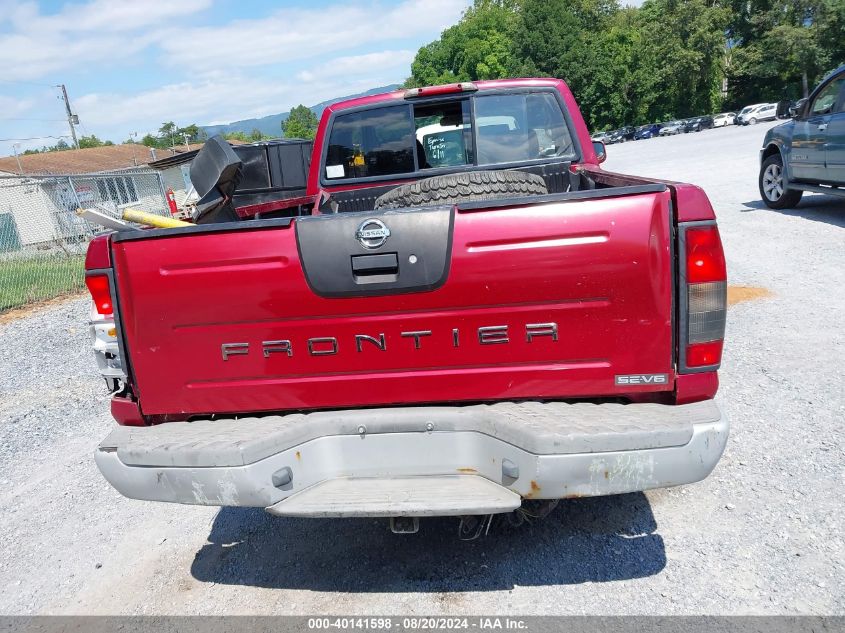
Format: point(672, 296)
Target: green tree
point(60, 146)
point(477, 47)
point(548, 41)
point(785, 47)
point(150, 141)
point(89, 141)
point(194, 133)
point(243, 137)
point(168, 133)
point(681, 54)
point(235, 136)
point(665, 59)
point(301, 123)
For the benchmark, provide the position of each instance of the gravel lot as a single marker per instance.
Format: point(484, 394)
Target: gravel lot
point(762, 535)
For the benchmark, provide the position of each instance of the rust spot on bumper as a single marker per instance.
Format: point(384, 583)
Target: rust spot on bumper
point(298, 455)
point(535, 489)
point(468, 471)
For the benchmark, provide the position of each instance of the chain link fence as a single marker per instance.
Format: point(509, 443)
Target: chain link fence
point(42, 239)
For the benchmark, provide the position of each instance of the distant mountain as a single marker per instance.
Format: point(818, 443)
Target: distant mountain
point(271, 125)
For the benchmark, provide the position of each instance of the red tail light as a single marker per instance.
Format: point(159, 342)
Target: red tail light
point(706, 298)
point(98, 286)
point(704, 354)
point(705, 257)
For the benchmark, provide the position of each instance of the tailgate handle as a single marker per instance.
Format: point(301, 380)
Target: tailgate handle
point(382, 264)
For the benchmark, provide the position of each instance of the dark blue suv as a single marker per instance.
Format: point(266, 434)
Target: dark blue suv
point(808, 152)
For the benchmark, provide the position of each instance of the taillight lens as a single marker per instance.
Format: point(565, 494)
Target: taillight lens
point(98, 286)
point(706, 304)
point(704, 354)
point(706, 311)
point(705, 257)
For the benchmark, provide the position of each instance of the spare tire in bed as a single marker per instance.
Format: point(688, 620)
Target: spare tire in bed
point(466, 187)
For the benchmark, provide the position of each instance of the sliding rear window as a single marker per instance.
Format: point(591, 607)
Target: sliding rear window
point(482, 130)
point(514, 128)
point(378, 142)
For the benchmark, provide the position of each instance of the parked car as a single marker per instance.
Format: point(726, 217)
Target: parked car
point(622, 134)
point(740, 118)
point(808, 152)
point(763, 112)
point(795, 107)
point(783, 107)
point(611, 137)
point(394, 343)
point(726, 118)
point(647, 131)
point(696, 124)
point(600, 136)
point(673, 127)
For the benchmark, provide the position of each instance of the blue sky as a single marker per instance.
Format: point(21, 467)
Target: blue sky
point(130, 65)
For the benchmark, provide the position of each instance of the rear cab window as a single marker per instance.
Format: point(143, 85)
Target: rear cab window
point(416, 138)
point(377, 142)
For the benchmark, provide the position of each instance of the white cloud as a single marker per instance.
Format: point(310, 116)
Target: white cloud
point(294, 34)
point(241, 69)
point(115, 115)
point(360, 65)
point(99, 32)
point(98, 16)
point(110, 32)
point(12, 107)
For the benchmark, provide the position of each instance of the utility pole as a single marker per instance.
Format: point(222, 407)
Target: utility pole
point(71, 117)
point(15, 147)
point(134, 137)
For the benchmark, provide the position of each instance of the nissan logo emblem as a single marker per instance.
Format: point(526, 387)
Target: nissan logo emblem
point(372, 233)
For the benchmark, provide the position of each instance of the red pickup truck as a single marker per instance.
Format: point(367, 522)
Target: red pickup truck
point(463, 312)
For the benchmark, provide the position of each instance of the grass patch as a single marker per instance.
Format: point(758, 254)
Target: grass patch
point(27, 280)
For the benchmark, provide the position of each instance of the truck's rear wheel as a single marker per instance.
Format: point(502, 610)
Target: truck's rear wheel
point(466, 187)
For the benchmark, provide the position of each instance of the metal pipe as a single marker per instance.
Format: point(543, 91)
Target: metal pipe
point(151, 219)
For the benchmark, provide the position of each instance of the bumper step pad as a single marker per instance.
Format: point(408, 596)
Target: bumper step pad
point(446, 495)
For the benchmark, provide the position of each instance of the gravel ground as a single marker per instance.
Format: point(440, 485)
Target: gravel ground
point(762, 535)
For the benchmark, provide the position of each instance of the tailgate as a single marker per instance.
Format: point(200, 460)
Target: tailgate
point(548, 300)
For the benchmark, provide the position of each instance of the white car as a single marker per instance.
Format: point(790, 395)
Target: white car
point(726, 118)
point(760, 112)
point(741, 116)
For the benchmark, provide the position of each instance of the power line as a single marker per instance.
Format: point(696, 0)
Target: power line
point(31, 138)
point(13, 118)
point(27, 83)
